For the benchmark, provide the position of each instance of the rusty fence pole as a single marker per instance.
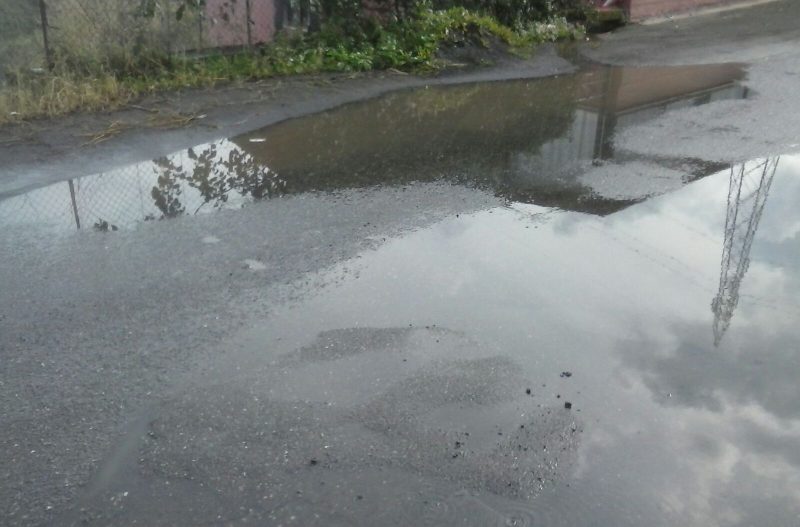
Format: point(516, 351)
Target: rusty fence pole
point(249, 22)
point(200, 27)
point(166, 16)
point(48, 54)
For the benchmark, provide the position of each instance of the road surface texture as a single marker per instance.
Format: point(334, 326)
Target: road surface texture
point(565, 297)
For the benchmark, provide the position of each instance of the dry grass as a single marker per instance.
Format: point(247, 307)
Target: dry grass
point(173, 120)
point(50, 96)
point(95, 36)
point(104, 135)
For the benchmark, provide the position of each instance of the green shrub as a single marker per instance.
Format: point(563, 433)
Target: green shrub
point(91, 80)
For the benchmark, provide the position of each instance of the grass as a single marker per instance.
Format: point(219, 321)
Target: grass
point(409, 45)
point(58, 94)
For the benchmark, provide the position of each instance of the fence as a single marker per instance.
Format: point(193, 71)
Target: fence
point(36, 33)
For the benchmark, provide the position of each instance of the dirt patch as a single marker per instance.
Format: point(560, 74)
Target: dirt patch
point(472, 52)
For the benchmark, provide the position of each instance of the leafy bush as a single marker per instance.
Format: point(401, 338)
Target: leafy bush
point(407, 44)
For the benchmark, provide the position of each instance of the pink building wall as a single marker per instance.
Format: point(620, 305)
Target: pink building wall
point(226, 22)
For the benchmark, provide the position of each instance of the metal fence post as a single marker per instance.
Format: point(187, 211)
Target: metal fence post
point(200, 26)
point(248, 21)
point(48, 54)
point(166, 16)
point(74, 203)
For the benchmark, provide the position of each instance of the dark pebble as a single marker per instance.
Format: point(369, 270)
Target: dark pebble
point(313, 462)
point(528, 391)
point(566, 374)
point(567, 405)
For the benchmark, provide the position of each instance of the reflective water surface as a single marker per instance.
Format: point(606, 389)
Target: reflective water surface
point(582, 337)
point(676, 320)
point(520, 365)
point(527, 140)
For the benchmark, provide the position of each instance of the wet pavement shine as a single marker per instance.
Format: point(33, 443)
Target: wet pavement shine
point(454, 306)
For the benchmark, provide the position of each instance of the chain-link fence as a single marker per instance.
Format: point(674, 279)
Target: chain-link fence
point(35, 34)
point(20, 36)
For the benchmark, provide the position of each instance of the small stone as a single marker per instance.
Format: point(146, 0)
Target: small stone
point(566, 374)
point(313, 462)
point(528, 391)
point(568, 405)
point(254, 265)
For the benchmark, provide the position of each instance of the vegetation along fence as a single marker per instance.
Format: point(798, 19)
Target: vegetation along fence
point(126, 35)
point(37, 34)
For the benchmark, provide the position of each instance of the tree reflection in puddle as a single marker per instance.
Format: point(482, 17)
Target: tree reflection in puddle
point(215, 177)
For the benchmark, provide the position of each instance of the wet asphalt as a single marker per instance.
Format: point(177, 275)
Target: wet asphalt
point(556, 301)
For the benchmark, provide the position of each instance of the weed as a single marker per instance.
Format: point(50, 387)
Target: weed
point(59, 93)
point(409, 44)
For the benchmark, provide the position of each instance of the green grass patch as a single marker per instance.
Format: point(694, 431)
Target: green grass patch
point(407, 45)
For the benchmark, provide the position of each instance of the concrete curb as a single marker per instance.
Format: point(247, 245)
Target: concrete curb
point(702, 11)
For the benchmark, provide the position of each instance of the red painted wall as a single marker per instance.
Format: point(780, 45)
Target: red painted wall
point(226, 22)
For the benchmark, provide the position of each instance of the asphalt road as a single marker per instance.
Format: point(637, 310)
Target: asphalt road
point(514, 324)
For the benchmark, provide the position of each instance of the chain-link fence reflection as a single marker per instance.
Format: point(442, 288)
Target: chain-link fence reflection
point(204, 178)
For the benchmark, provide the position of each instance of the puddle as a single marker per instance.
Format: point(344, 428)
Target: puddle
point(613, 341)
point(665, 334)
point(529, 141)
point(513, 366)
